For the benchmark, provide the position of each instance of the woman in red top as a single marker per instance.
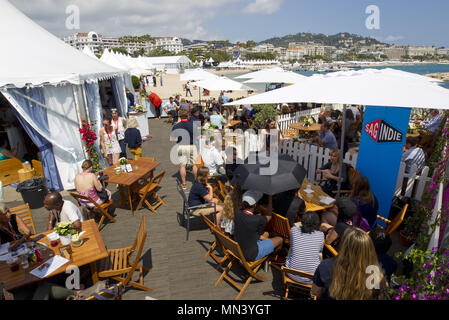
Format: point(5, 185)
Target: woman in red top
point(156, 101)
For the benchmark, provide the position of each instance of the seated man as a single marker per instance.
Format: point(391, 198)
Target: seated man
point(217, 119)
point(326, 139)
point(249, 228)
point(170, 108)
point(61, 211)
point(434, 124)
point(212, 158)
point(413, 154)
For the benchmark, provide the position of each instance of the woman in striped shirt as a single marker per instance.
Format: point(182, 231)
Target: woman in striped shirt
point(306, 244)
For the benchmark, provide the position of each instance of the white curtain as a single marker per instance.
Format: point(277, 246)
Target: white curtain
point(63, 127)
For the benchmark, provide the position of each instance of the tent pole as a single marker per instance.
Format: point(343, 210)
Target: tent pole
point(342, 143)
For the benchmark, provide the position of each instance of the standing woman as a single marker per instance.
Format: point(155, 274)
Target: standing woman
point(119, 125)
point(109, 142)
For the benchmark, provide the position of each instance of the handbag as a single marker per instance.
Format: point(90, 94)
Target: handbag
point(103, 195)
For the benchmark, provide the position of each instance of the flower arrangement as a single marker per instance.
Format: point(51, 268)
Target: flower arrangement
point(64, 228)
point(123, 161)
point(89, 137)
point(307, 122)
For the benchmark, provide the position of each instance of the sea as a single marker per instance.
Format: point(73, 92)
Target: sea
point(421, 69)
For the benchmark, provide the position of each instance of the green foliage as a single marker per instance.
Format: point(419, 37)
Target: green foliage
point(160, 52)
point(64, 228)
point(136, 82)
point(264, 112)
point(218, 55)
point(260, 55)
point(144, 38)
point(137, 53)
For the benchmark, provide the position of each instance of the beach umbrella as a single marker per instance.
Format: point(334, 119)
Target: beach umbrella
point(276, 76)
point(197, 75)
point(222, 84)
point(256, 73)
point(288, 175)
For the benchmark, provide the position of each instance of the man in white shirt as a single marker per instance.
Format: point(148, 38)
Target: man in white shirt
point(171, 108)
point(211, 157)
point(413, 155)
point(62, 211)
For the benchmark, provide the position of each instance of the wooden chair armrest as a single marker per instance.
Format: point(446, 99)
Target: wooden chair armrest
point(383, 219)
point(331, 249)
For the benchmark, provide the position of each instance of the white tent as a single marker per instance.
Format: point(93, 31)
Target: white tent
point(171, 64)
point(61, 89)
point(276, 76)
point(89, 52)
point(222, 84)
point(196, 75)
point(256, 73)
point(366, 87)
point(210, 60)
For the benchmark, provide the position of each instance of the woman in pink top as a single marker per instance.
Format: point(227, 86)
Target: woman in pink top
point(87, 184)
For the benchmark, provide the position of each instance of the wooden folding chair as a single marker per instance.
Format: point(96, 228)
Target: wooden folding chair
point(234, 253)
point(148, 159)
point(331, 249)
point(211, 250)
point(8, 171)
point(281, 226)
point(102, 208)
point(119, 262)
point(392, 225)
point(24, 213)
point(290, 133)
point(37, 165)
point(307, 288)
point(149, 191)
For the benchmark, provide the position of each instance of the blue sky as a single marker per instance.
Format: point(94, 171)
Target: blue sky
point(401, 21)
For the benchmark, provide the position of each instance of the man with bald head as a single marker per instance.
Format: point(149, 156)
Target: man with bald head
point(62, 211)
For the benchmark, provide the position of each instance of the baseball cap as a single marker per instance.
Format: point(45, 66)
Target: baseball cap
point(252, 197)
point(346, 207)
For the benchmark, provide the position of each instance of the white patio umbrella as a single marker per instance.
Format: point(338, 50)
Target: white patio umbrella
point(276, 76)
point(196, 75)
point(222, 84)
point(256, 73)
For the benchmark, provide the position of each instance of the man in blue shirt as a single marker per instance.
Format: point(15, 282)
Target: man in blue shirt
point(217, 119)
point(433, 124)
point(326, 139)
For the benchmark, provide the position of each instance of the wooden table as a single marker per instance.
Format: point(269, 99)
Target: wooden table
point(92, 250)
point(299, 126)
point(312, 200)
point(126, 179)
point(233, 123)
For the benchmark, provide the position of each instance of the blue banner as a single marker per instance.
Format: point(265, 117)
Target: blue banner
point(381, 145)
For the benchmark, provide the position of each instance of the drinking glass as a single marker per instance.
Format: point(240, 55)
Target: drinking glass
point(24, 263)
point(54, 243)
point(13, 263)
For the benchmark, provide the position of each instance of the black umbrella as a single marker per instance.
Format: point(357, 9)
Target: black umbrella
point(288, 176)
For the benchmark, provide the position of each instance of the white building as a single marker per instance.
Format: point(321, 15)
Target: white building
point(172, 44)
point(92, 40)
point(443, 51)
point(414, 51)
point(266, 47)
point(296, 53)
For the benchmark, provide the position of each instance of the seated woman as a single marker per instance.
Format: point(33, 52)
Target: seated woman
point(365, 200)
point(330, 174)
point(344, 277)
point(87, 184)
point(202, 193)
point(5, 153)
point(232, 202)
point(12, 228)
point(306, 244)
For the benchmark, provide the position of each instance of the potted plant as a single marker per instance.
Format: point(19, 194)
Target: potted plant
point(307, 122)
point(123, 162)
point(65, 231)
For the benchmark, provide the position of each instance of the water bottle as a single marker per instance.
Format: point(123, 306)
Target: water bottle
point(1, 190)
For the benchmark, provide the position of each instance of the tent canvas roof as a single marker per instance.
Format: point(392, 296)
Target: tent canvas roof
point(32, 55)
point(167, 60)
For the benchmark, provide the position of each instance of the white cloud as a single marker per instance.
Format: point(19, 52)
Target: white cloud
point(263, 6)
point(183, 18)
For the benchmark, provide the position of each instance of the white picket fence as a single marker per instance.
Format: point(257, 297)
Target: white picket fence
point(285, 120)
point(312, 158)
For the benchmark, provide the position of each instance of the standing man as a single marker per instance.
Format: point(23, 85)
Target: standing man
point(161, 80)
point(188, 89)
point(154, 81)
point(62, 211)
point(413, 154)
point(156, 101)
point(187, 151)
point(130, 99)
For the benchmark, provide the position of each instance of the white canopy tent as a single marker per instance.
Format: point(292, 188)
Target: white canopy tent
point(276, 76)
point(89, 52)
point(196, 75)
point(51, 91)
point(171, 64)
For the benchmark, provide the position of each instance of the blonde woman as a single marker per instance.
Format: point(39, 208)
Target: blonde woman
point(109, 142)
point(133, 138)
point(232, 202)
point(330, 173)
point(352, 275)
